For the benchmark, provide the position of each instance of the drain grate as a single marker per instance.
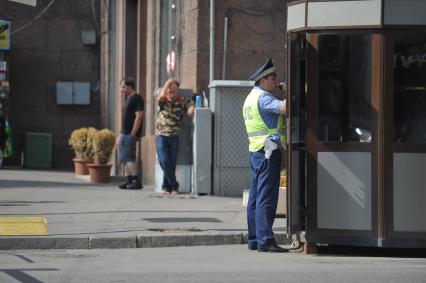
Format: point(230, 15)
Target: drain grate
point(183, 220)
point(171, 230)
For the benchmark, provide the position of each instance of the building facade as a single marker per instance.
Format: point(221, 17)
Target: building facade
point(139, 35)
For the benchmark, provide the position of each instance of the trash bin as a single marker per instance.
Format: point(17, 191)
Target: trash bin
point(38, 150)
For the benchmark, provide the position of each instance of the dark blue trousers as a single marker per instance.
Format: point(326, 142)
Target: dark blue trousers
point(263, 198)
point(167, 152)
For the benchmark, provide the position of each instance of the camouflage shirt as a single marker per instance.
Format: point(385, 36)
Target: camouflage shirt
point(169, 115)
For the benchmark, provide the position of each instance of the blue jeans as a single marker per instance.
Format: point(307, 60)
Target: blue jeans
point(263, 198)
point(126, 149)
point(167, 151)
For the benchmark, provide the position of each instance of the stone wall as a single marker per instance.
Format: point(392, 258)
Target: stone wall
point(256, 30)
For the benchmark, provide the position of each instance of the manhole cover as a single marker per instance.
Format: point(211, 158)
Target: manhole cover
point(174, 197)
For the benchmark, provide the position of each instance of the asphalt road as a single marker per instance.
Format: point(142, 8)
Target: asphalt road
point(206, 264)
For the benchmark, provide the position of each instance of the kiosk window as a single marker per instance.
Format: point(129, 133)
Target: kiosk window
point(344, 87)
point(410, 88)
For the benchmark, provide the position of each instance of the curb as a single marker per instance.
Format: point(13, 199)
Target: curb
point(139, 241)
point(39, 243)
point(175, 240)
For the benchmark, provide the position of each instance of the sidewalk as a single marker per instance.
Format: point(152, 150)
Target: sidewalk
point(81, 215)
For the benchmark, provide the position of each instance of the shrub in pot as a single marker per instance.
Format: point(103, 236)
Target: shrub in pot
point(78, 143)
point(103, 146)
point(90, 136)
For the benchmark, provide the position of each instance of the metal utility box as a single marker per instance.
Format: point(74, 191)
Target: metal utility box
point(231, 164)
point(356, 108)
point(73, 93)
point(202, 152)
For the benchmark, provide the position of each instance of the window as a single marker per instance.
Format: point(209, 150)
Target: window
point(410, 88)
point(344, 87)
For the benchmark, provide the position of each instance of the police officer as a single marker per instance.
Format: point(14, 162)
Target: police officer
point(264, 124)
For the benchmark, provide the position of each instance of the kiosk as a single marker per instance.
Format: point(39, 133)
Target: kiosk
point(356, 128)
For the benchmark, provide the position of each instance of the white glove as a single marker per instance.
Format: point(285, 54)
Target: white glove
point(269, 147)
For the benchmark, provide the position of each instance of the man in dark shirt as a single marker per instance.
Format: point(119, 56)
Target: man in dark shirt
point(131, 129)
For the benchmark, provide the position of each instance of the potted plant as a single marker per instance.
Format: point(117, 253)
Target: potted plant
point(78, 143)
point(103, 145)
point(90, 136)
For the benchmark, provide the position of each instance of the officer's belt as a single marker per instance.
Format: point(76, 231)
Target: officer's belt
point(265, 132)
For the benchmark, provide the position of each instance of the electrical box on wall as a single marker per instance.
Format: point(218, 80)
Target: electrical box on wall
point(73, 93)
point(88, 37)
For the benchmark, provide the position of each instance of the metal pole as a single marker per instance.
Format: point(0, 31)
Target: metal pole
point(212, 43)
point(225, 48)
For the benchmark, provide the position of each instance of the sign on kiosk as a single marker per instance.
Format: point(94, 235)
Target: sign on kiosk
point(4, 35)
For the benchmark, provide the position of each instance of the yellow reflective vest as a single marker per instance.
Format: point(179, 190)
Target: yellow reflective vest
point(257, 130)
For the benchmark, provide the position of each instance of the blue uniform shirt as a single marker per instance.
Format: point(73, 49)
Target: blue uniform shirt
point(269, 108)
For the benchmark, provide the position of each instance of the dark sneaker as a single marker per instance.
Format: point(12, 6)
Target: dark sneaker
point(124, 186)
point(135, 185)
point(272, 249)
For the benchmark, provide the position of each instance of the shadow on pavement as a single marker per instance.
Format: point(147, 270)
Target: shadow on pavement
point(182, 219)
point(19, 184)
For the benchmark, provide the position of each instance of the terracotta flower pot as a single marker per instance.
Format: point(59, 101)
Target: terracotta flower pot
point(80, 166)
point(99, 173)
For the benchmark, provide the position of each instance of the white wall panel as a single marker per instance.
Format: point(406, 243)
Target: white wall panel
point(344, 190)
point(344, 13)
point(296, 16)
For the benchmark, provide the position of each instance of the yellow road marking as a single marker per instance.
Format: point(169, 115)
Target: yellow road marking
point(23, 226)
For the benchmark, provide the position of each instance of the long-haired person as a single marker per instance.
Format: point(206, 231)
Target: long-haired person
point(171, 108)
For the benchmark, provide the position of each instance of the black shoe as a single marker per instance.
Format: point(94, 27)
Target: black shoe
point(272, 249)
point(252, 247)
point(129, 181)
point(135, 185)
